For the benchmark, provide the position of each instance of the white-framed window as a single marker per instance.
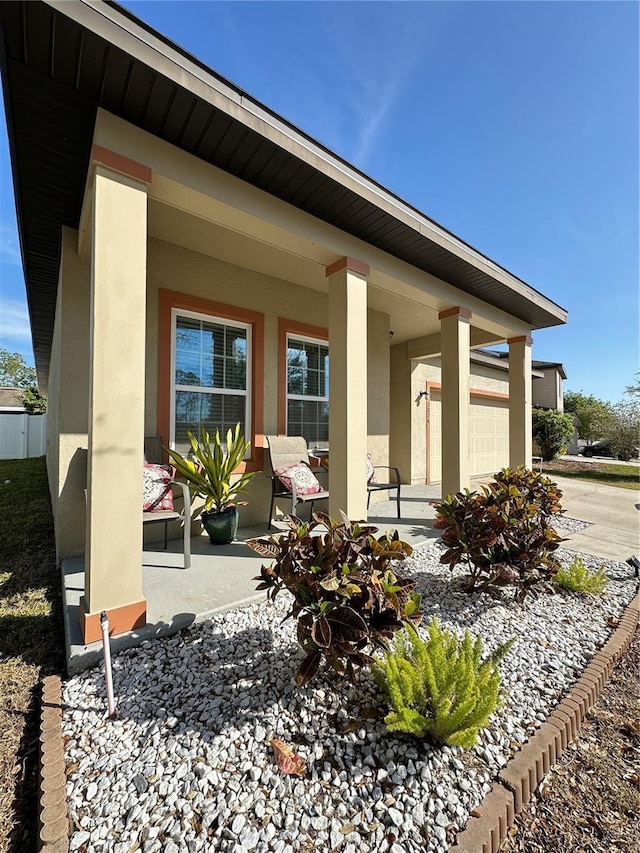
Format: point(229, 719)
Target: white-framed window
point(210, 375)
point(308, 388)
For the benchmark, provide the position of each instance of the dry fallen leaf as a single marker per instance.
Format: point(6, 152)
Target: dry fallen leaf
point(371, 713)
point(288, 761)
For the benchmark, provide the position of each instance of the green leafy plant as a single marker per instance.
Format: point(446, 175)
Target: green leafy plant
point(504, 534)
point(213, 470)
point(551, 431)
point(622, 430)
point(346, 596)
point(578, 578)
point(34, 402)
point(440, 688)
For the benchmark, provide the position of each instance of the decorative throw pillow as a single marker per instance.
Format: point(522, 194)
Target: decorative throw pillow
point(371, 471)
point(305, 480)
point(157, 494)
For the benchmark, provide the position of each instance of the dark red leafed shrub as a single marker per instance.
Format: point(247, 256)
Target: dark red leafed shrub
point(503, 535)
point(346, 597)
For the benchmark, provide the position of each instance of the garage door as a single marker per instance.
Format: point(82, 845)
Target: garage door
point(488, 435)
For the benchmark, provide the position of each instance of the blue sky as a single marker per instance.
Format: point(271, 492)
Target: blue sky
point(513, 124)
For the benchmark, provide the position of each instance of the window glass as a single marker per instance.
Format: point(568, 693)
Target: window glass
point(308, 389)
point(211, 376)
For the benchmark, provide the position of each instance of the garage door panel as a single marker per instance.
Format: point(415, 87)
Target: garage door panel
point(488, 436)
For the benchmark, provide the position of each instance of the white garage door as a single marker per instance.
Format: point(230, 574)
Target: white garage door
point(488, 435)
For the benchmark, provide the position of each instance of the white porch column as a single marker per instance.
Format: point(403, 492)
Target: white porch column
point(113, 565)
point(348, 388)
point(455, 337)
point(520, 401)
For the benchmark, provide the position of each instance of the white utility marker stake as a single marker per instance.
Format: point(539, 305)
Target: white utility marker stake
point(111, 702)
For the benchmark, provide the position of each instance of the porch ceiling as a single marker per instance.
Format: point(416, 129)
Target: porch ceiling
point(61, 61)
point(300, 262)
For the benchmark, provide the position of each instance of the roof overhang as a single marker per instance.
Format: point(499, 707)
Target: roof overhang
point(61, 61)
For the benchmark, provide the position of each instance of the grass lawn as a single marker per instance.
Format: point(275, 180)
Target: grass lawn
point(607, 473)
point(31, 640)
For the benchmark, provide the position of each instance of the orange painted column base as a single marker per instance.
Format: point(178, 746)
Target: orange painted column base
point(121, 620)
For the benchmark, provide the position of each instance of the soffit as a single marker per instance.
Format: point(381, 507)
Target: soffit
point(60, 63)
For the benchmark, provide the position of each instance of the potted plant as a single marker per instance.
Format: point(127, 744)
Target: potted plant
point(211, 471)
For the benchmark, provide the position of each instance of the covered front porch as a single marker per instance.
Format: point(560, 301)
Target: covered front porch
point(220, 577)
point(171, 250)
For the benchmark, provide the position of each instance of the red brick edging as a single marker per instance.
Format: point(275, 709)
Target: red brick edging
point(521, 776)
point(53, 831)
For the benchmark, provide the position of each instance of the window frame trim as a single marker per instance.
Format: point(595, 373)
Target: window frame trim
point(204, 389)
point(168, 301)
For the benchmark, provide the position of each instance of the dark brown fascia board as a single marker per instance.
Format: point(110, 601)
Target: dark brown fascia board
point(121, 28)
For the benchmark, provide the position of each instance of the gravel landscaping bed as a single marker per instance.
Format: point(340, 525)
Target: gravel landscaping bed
point(187, 766)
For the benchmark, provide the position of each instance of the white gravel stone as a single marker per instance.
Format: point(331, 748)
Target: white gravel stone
point(187, 766)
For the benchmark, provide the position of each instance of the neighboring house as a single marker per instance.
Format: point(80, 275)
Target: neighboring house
point(548, 390)
point(11, 401)
point(192, 257)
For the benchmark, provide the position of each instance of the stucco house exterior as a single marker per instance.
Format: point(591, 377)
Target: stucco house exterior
point(489, 441)
point(185, 248)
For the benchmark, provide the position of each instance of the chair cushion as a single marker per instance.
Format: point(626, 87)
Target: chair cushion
point(371, 471)
point(157, 495)
point(305, 480)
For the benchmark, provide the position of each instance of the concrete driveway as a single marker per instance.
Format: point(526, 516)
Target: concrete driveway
point(613, 513)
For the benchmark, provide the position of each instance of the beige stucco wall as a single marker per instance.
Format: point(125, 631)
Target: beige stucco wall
point(400, 415)
point(68, 396)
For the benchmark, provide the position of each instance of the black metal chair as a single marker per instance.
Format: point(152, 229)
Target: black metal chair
point(386, 486)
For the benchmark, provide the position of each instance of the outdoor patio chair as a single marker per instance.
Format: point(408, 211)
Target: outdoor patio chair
point(153, 456)
point(388, 485)
point(292, 476)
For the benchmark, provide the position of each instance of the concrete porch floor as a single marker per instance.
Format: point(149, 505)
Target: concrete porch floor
point(220, 577)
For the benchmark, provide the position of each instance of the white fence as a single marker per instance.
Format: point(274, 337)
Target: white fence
point(22, 436)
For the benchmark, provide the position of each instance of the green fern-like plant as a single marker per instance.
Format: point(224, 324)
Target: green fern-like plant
point(441, 688)
point(578, 578)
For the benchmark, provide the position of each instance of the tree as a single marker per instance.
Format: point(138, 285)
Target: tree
point(34, 402)
point(14, 371)
point(623, 429)
point(634, 389)
point(593, 414)
point(623, 426)
point(551, 431)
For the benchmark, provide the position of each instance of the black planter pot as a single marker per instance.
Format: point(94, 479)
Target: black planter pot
point(221, 526)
